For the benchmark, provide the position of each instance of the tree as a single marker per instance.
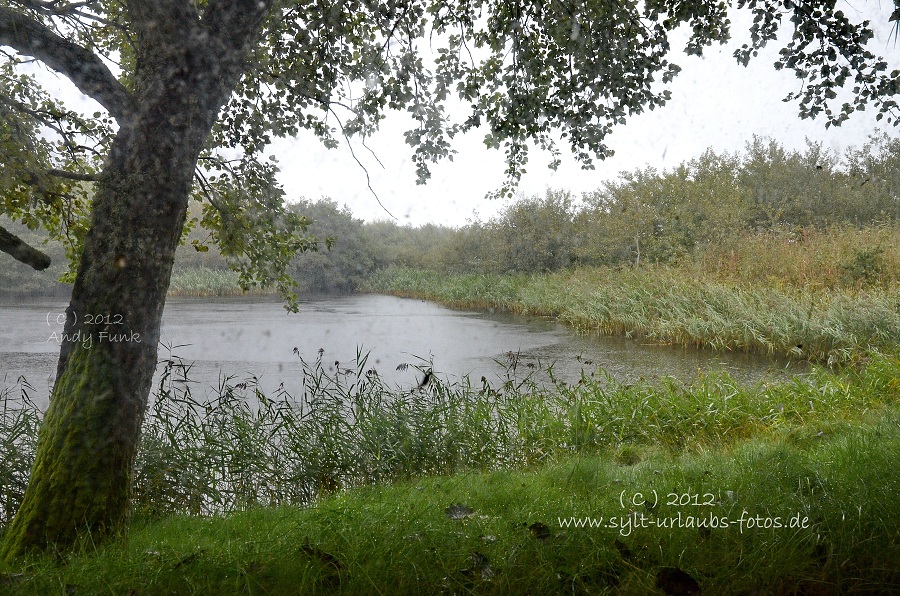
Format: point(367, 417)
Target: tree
point(193, 91)
point(629, 211)
point(536, 233)
point(347, 262)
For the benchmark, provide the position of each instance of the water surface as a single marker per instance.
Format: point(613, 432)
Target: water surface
point(258, 337)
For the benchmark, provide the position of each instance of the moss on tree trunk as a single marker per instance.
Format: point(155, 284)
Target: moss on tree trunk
point(87, 443)
point(80, 482)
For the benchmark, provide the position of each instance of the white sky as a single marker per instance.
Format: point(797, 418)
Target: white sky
point(715, 103)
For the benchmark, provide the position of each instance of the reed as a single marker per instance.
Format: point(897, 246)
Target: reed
point(676, 306)
point(19, 423)
point(821, 447)
point(240, 448)
point(205, 281)
point(836, 257)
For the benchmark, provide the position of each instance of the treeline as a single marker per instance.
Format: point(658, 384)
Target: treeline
point(649, 216)
point(710, 209)
point(349, 252)
point(721, 209)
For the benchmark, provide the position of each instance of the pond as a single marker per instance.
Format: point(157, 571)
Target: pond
point(258, 337)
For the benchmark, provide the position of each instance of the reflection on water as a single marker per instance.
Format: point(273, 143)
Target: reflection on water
point(259, 338)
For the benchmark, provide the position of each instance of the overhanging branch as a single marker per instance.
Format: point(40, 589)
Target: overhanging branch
point(74, 175)
point(84, 68)
point(20, 251)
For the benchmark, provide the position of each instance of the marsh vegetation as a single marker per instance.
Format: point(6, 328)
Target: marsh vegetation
point(485, 480)
point(354, 485)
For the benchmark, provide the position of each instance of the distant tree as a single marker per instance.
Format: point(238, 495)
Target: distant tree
point(872, 187)
point(537, 233)
point(814, 188)
point(621, 217)
point(407, 246)
point(475, 247)
point(210, 83)
point(347, 257)
point(779, 181)
point(701, 202)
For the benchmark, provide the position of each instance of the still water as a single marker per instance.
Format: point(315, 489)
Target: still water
point(257, 337)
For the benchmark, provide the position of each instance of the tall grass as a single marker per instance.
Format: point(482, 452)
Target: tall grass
point(838, 257)
point(823, 451)
point(675, 306)
point(240, 448)
point(19, 423)
point(204, 281)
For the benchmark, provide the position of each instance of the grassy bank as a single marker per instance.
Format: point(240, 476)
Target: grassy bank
point(487, 480)
point(677, 306)
point(506, 532)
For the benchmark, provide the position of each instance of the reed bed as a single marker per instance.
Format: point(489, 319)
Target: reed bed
point(239, 448)
point(836, 257)
point(19, 423)
point(204, 281)
point(674, 306)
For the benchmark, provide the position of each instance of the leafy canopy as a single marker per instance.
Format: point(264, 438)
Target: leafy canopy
point(542, 71)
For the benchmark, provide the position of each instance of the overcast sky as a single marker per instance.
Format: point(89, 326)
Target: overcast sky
point(715, 103)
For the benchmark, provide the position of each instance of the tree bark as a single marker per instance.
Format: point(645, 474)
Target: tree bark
point(21, 251)
point(86, 448)
point(81, 480)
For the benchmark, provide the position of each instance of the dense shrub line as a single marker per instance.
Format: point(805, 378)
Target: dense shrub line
point(799, 216)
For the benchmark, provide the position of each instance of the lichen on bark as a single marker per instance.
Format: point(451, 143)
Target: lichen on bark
point(80, 480)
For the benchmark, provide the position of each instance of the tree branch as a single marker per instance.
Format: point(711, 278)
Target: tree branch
point(73, 175)
point(51, 7)
point(20, 251)
point(81, 66)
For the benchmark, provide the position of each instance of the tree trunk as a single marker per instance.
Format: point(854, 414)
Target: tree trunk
point(637, 249)
point(185, 71)
point(81, 479)
point(87, 444)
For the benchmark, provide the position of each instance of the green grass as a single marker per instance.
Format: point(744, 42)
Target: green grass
point(839, 485)
point(348, 488)
point(676, 306)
